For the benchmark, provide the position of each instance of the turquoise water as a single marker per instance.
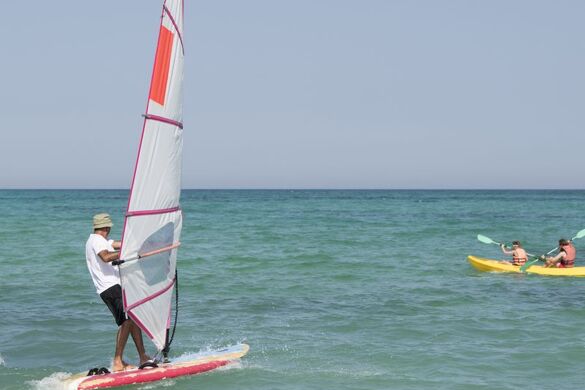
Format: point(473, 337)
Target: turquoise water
point(331, 289)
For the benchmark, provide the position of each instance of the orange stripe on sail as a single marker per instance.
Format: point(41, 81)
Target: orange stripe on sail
point(162, 63)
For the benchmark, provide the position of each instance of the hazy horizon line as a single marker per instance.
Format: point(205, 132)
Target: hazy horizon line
point(292, 189)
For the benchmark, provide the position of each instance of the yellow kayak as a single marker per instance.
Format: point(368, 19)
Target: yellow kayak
point(488, 265)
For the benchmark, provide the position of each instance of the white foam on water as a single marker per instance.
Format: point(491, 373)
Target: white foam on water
point(2, 362)
point(234, 365)
point(207, 351)
point(204, 351)
point(53, 382)
point(158, 384)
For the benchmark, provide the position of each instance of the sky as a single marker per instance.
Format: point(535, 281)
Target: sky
point(389, 94)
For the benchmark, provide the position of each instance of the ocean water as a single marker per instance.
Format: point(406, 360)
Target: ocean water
point(331, 289)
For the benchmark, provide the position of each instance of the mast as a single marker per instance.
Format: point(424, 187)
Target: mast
point(153, 221)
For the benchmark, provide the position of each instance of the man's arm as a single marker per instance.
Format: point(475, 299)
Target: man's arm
point(108, 257)
point(505, 251)
point(553, 260)
point(117, 245)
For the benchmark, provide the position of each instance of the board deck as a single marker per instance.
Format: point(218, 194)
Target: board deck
point(202, 362)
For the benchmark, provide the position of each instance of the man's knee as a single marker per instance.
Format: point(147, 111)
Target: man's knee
point(127, 323)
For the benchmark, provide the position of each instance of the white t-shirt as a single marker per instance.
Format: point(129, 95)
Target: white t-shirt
point(104, 275)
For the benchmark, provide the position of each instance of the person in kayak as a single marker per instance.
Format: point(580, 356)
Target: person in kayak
point(519, 256)
point(565, 258)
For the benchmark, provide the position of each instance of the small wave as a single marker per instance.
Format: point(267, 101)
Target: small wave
point(158, 385)
point(208, 351)
point(233, 365)
point(2, 362)
point(53, 382)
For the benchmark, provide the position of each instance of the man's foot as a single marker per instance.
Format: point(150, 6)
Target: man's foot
point(145, 359)
point(118, 368)
point(121, 366)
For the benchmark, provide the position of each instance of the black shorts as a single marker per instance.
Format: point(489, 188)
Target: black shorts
point(112, 297)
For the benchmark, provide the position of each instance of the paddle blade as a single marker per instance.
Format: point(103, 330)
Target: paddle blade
point(581, 234)
point(486, 240)
point(528, 264)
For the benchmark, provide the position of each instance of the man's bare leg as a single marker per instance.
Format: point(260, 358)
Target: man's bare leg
point(137, 337)
point(121, 339)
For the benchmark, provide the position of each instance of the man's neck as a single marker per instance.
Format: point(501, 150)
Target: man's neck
point(101, 232)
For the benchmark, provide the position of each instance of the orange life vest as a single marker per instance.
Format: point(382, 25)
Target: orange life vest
point(570, 253)
point(519, 256)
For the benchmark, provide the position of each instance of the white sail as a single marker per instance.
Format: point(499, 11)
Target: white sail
point(152, 227)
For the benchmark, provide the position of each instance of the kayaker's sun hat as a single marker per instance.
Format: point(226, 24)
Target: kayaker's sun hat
point(102, 220)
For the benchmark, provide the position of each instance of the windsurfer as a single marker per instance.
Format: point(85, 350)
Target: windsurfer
point(99, 252)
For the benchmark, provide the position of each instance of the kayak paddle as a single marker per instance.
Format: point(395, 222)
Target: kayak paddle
point(487, 240)
point(530, 263)
point(580, 234)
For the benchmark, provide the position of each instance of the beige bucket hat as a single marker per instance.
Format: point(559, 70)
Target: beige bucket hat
point(102, 220)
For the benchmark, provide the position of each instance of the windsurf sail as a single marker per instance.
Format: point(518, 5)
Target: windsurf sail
point(152, 226)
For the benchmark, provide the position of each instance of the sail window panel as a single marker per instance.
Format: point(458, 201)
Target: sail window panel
point(147, 278)
point(147, 233)
point(147, 283)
